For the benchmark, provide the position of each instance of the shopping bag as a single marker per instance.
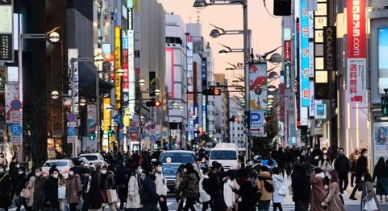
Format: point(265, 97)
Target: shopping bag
point(26, 193)
point(112, 196)
point(290, 191)
point(283, 189)
point(370, 205)
point(62, 192)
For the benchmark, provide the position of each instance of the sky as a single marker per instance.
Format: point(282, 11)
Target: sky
point(266, 30)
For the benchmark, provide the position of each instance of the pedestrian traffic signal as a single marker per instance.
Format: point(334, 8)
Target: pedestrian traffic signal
point(211, 92)
point(110, 133)
point(154, 103)
point(384, 105)
point(247, 119)
point(92, 136)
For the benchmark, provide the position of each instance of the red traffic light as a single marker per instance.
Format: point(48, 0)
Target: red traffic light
point(236, 119)
point(158, 103)
point(211, 92)
point(233, 119)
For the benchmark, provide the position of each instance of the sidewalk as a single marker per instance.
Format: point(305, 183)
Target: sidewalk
point(288, 198)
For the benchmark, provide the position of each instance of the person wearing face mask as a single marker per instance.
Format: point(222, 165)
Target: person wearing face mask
point(247, 197)
point(5, 188)
point(189, 187)
point(134, 185)
point(107, 183)
point(73, 189)
point(342, 166)
point(215, 188)
point(86, 189)
point(148, 195)
point(37, 184)
point(325, 164)
point(361, 169)
point(51, 189)
point(161, 185)
point(13, 173)
point(178, 178)
point(3, 160)
point(23, 180)
point(353, 164)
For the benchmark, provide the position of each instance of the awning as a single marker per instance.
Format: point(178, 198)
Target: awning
point(87, 78)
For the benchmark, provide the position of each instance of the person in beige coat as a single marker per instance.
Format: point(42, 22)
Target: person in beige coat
point(318, 191)
point(134, 185)
point(31, 187)
point(266, 197)
point(73, 190)
point(333, 201)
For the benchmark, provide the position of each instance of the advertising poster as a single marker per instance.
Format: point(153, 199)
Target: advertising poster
point(170, 72)
point(380, 141)
point(6, 31)
point(383, 61)
point(258, 86)
point(356, 52)
point(92, 117)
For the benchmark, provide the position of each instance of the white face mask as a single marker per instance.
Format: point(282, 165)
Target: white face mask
point(185, 170)
point(20, 172)
point(1, 170)
point(103, 171)
point(362, 178)
point(55, 175)
point(159, 169)
point(71, 173)
point(365, 154)
point(140, 170)
point(324, 157)
point(17, 166)
point(324, 151)
point(37, 174)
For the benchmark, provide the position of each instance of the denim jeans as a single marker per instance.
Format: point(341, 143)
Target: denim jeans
point(264, 205)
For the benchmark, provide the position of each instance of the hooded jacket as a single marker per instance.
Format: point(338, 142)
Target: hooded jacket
point(278, 181)
point(264, 175)
point(73, 188)
point(189, 185)
point(204, 188)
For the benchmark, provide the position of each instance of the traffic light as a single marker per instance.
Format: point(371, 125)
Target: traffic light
point(211, 92)
point(110, 133)
point(384, 105)
point(153, 103)
point(92, 136)
point(233, 119)
point(282, 7)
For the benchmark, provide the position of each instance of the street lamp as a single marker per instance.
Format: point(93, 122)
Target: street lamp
point(54, 94)
point(82, 102)
point(229, 50)
point(271, 88)
point(200, 4)
point(141, 82)
point(120, 72)
point(157, 91)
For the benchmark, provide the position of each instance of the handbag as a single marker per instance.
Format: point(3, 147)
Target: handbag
point(370, 205)
point(290, 191)
point(283, 189)
point(26, 193)
point(112, 196)
point(62, 192)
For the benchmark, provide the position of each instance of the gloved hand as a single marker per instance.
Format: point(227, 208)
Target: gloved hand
point(177, 199)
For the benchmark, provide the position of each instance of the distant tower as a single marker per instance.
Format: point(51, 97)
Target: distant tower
point(198, 16)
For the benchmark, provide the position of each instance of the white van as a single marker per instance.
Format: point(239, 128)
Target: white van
point(226, 154)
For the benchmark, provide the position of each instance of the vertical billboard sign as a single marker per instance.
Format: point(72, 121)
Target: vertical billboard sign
point(6, 31)
point(356, 51)
point(287, 76)
point(190, 83)
point(125, 76)
point(92, 117)
point(118, 65)
point(106, 106)
point(258, 86)
point(170, 72)
point(287, 50)
point(380, 141)
point(383, 61)
point(304, 55)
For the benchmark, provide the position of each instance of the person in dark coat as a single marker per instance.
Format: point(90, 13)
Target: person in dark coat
point(107, 182)
point(86, 178)
point(301, 187)
point(281, 160)
point(5, 188)
point(342, 166)
point(148, 195)
point(39, 190)
point(13, 173)
point(51, 189)
point(94, 191)
point(122, 179)
point(215, 188)
point(381, 173)
point(247, 192)
point(361, 169)
point(23, 180)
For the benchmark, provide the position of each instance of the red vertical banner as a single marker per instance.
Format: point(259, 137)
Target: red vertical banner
point(287, 50)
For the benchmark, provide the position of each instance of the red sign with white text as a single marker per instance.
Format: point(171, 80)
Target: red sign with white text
point(287, 50)
point(356, 10)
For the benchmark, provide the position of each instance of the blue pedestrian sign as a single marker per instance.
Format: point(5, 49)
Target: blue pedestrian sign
point(16, 129)
point(71, 131)
point(117, 118)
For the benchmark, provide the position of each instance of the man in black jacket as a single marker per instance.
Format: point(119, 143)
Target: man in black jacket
point(342, 166)
point(215, 187)
point(148, 195)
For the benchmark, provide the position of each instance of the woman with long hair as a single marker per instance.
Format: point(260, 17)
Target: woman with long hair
point(179, 174)
point(318, 191)
point(381, 172)
point(325, 164)
point(368, 193)
point(229, 195)
point(333, 199)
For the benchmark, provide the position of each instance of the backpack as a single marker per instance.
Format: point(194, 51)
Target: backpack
point(268, 186)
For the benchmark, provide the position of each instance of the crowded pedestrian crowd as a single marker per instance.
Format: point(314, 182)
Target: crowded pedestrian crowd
point(134, 182)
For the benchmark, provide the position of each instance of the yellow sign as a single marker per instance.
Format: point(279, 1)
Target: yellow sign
point(136, 6)
point(118, 66)
point(106, 113)
point(126, 119)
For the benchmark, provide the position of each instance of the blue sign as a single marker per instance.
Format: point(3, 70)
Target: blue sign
point(71, 131)
point(304, 55)
point(16, 129)
point(16, 104)
point(256, 119)
point(91, 123)
point(121, 136)
point(71, 117)
point(117, 118)
point(320, 109)
point(133, 129)
point(152, 138)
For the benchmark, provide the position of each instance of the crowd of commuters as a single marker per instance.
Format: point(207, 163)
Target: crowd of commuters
point(319, 179)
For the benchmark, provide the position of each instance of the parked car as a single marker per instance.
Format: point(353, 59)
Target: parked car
point(95, 159)
point(63, 166)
